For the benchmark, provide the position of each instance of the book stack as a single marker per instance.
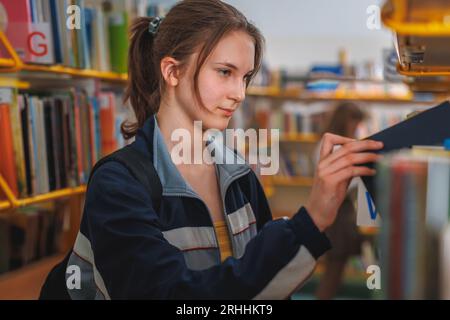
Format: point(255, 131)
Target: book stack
point(52, 140)
point(413, 188)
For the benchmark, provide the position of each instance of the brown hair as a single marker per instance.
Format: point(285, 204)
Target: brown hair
point(189, 25)
point(344, 112)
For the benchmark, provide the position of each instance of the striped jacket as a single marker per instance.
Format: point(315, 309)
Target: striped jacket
point(127, 250)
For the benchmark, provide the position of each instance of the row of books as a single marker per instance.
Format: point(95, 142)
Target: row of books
point(414, 193)
point(311, 118)
point(296, 163)
point(52, 140)
point(85, 34)
point(29, 234)
point(289, 118)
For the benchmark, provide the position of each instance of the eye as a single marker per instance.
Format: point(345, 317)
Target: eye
point(224, 72)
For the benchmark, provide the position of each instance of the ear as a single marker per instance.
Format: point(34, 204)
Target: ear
point(170, 71)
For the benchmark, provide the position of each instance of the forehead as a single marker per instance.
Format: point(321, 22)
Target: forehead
point(237, 48)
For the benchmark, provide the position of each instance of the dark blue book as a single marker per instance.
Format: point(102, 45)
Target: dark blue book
point(430, 127)
point(57, 44)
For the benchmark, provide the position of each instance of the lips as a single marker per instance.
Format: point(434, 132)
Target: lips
point(226, 111)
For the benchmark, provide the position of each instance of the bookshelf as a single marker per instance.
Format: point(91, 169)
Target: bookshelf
point(411, 238)
point(84, 82)
point(15, 65)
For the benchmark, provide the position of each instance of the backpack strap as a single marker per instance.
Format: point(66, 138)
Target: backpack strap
point(140, 167)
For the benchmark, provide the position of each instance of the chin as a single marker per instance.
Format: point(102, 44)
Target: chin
point(218, 122)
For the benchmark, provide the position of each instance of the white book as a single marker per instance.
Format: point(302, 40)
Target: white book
point(445, 264)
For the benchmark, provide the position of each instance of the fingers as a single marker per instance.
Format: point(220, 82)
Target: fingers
point(352, 172)
point(349, 148)
point(329, 141)
point(350, 160)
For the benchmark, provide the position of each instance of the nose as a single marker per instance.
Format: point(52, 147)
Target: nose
point(238, 91)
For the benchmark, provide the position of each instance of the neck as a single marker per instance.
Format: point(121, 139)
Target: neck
point(172, 116)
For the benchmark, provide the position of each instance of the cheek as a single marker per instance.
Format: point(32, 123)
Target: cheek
point(211, 90)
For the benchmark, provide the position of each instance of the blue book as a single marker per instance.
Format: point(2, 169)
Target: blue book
point(33, 11)
point(57, 45)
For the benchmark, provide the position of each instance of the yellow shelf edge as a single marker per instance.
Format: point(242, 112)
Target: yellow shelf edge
point(51, 196)
point(6, 62)
point(292, 181)
point(423, 73)
point(300, 137)
point(88, 73)
point(13, 202)
point(305, 96)
point(14, 83)
point(4, 205)
point(274, 92)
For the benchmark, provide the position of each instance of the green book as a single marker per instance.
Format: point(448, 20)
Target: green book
point(118, 41)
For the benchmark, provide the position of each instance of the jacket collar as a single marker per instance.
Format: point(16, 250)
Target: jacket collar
point(149, 137)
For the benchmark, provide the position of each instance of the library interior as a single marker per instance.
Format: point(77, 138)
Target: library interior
point(377, 69)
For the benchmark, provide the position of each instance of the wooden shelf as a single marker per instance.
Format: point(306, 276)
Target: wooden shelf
point(292, 181)
point(274, 92)
point(300, 137)
point(13, 202)
point(4, 205)
point(51, 196)
point(298, 95)
point(13, 83)
point(86, 73)
point(6, 62)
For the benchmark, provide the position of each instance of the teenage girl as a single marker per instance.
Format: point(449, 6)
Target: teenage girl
point(213, 236)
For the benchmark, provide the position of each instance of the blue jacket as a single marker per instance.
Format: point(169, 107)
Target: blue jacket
point(127, 250)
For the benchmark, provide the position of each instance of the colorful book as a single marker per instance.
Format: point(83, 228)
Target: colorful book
point(8, 163)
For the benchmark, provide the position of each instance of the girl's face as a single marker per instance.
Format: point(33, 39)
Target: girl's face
point(221, 81)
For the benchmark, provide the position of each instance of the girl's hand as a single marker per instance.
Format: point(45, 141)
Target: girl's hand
point(334, 172)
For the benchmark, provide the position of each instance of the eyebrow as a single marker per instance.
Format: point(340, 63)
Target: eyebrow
point(232, 66)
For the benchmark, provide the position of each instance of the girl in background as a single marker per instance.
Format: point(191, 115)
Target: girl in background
point(343, 233)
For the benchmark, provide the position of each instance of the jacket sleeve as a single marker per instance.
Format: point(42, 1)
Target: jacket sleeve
point(135, 261)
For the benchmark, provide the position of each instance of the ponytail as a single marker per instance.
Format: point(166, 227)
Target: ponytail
point(143, 87)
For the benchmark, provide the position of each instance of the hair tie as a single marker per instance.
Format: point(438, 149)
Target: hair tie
point(154, 25)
